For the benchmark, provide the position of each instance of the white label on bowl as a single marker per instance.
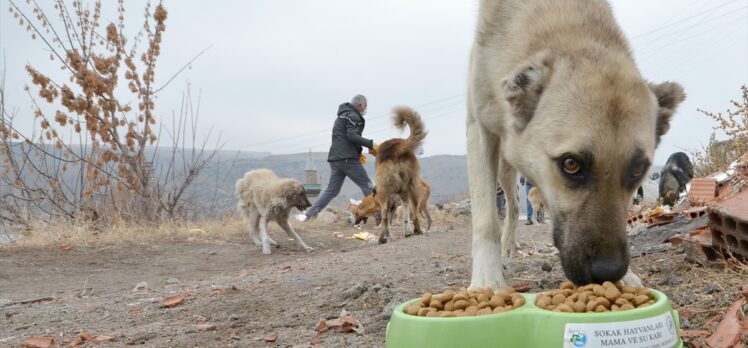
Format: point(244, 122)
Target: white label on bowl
point(655, 332)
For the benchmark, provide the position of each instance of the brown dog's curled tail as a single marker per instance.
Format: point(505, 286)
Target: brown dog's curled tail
point(405, 115)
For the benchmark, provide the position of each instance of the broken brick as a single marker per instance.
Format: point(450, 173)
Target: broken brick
point(678, 239)
point(729, 329)
point(703, 190)
point(103, 339)
point(37, 342)
point(525, 287)
point(662, 219)
point(172, 301)
point(728, 222)
point(694, 213)
point(205, 327)
point(321, 326)
point(693, 333)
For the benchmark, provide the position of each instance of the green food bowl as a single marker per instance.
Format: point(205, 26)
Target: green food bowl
point(531, 327)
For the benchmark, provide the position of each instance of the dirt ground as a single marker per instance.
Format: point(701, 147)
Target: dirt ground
point(245, 296)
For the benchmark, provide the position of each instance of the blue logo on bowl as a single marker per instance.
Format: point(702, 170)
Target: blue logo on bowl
point(578, 338)
point(670, 325)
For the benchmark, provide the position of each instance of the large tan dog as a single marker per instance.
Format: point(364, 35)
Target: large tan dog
point(554, 93)
point(399, 173)
point(370, 205)
point(263, 197)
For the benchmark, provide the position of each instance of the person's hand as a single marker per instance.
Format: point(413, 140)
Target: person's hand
point(362, 159)
point(374, 149)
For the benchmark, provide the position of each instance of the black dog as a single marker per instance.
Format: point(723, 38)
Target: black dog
point(678, 171)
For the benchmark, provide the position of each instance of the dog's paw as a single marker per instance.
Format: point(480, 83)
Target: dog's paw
point(631, 279)
point(309, 249)
point(486, 280)
point(266, 251)
point(382, 240)
point(508, 251)
point(487, 265)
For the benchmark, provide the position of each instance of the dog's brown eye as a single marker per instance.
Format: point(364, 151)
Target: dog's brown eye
point(571, 165)
point(638, 171)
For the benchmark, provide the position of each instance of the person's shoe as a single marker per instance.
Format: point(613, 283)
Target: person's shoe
point(528, 222)
point(302, 217)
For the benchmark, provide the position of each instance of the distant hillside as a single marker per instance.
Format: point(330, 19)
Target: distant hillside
point(214, 188)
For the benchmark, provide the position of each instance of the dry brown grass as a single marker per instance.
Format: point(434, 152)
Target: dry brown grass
point(445, 218)
point(81, 234)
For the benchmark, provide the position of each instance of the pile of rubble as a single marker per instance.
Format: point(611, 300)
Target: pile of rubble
point(722, 197)
point(710, 222)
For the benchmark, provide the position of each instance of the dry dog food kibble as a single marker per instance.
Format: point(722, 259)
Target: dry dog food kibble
point(465, 303)
point(596, 298)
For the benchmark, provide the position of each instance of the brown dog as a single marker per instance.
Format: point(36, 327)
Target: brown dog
point(538, 204)
point(399, 173)
point(370, 205)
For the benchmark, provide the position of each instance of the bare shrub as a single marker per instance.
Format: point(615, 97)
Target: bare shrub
point(90, 154)
point(717, 155)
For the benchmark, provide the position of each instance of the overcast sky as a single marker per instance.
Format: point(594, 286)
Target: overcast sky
point(277, 70)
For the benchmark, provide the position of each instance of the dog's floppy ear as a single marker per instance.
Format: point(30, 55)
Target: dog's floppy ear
point(669, 96)
point(523, 88)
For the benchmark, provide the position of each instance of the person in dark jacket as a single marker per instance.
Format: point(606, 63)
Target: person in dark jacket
point(345, 157)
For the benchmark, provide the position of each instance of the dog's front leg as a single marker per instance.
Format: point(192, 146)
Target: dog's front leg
point(256, 223)
point(254, 226)
point(631, 279)
point(482, 168)
point(507, 178)
point(264, 238)
point(289, 229)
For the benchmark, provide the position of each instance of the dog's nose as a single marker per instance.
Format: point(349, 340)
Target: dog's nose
point(607, 269)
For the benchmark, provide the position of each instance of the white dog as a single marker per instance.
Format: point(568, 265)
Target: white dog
point(263, 196)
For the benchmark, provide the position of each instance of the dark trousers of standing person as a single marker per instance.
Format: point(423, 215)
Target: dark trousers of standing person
point(500, 204)
point(528, 186)
point(339, 170)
